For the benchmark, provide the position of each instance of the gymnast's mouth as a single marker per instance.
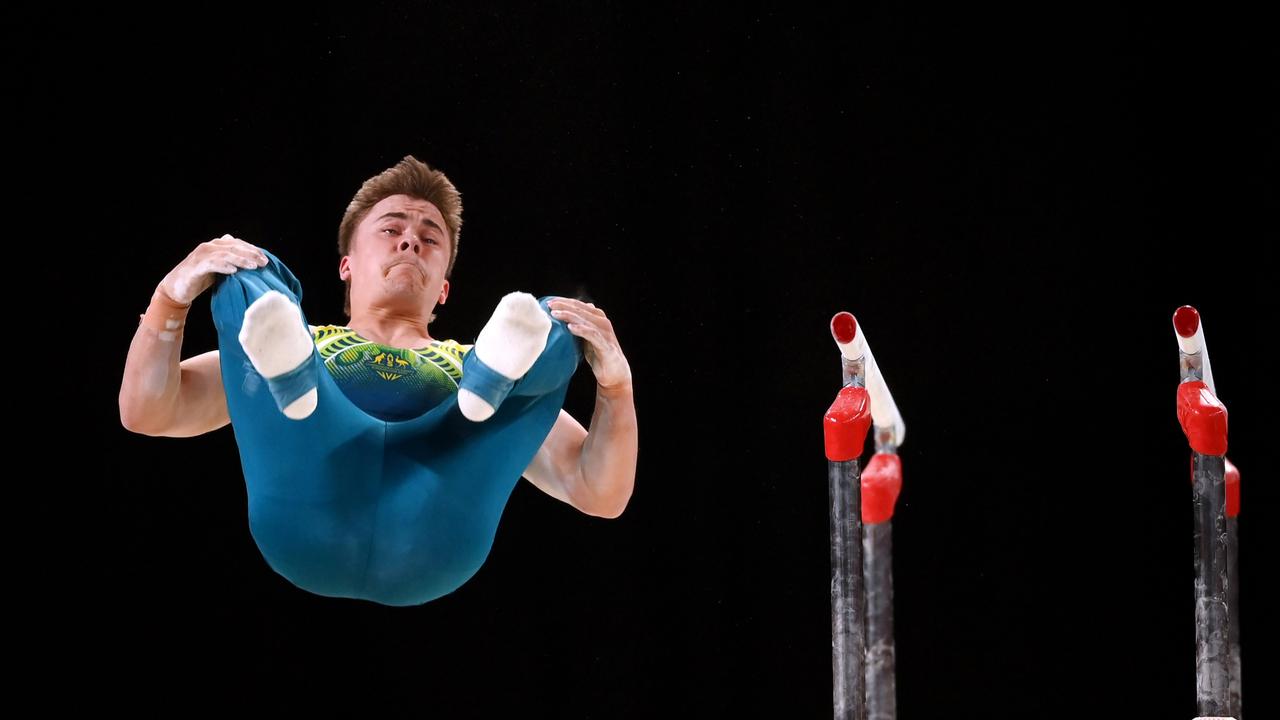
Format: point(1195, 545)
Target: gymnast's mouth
point(414, 265)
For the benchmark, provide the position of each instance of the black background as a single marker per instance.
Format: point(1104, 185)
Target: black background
point(1012, 203)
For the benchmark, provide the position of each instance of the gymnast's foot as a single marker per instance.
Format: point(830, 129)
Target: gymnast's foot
point(509, 344)
point(276, 340)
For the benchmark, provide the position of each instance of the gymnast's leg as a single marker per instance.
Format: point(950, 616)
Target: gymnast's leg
point(522, 350)
point(313, 485)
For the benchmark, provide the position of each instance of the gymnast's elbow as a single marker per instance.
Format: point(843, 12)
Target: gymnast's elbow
point(607, 507)
point(611, 513)
point(140, 419)
point(136, 422)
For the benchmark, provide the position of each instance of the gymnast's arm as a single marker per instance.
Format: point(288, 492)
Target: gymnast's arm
point(593, 471)
point(161, 394)
point(166, 398)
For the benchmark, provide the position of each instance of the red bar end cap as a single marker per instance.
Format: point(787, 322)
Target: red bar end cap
point(846, 424)
point(881, 484)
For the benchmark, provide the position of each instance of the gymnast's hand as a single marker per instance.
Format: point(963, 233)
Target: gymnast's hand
point(602, 351)
point(224, 255)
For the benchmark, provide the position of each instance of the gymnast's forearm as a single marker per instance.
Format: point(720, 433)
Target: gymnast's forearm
point(150, 390)
point(608, 462)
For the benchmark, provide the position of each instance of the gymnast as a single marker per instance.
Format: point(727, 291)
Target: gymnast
point(377, 459)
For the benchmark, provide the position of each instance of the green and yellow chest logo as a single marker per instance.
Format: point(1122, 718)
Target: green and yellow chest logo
point(389, 366)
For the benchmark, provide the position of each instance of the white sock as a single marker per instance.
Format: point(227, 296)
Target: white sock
point(509, 343)
point(277, 341)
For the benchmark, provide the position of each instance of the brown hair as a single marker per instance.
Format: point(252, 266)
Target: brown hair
point(410, 177)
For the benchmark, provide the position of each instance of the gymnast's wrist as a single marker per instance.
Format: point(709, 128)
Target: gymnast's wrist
point(616, 391)
point(164, 315)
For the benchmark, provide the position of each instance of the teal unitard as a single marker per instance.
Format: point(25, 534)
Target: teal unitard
point(346, 505)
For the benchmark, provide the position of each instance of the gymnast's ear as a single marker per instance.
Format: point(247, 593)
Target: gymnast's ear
point(344, 268)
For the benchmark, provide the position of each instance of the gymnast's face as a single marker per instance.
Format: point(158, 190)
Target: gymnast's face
point(399, 255)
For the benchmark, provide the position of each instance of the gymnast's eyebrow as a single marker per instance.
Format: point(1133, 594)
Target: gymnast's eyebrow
point(404, 216)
